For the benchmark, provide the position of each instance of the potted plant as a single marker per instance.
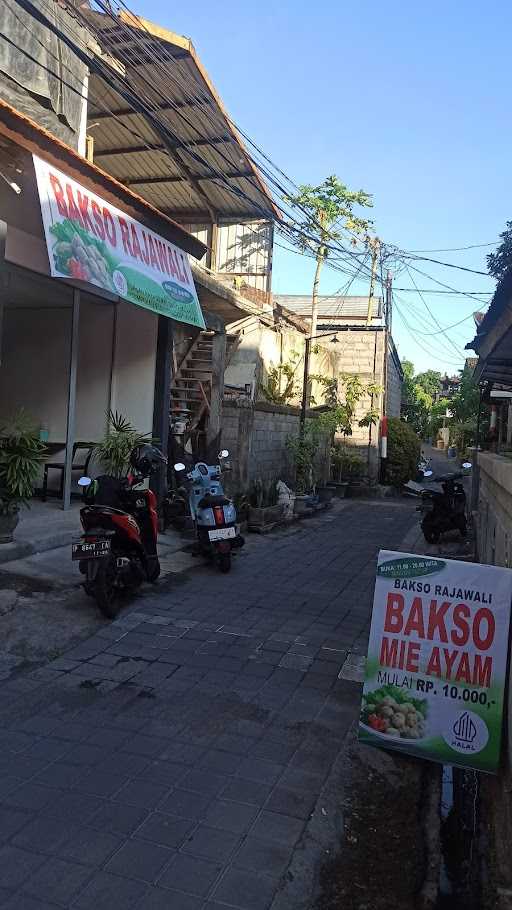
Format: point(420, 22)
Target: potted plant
point(264, 508)
point(303, 449)
point(347, 467)
point(21, 456)
point(113, 452)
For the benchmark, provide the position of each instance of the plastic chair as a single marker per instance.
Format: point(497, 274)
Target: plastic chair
point(60, 466)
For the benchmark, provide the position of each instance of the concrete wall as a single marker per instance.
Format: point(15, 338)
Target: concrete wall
point(494, 546)
point(133, 385)
point(256, 435)
point(394, 396)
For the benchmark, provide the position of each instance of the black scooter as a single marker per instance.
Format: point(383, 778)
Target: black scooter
point(446, 510)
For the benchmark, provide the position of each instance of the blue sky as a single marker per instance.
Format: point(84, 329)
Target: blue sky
point(408, 101)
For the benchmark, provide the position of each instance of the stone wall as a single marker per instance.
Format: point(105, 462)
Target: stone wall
point(493, 492)
point(394, 397)
point(255, 435)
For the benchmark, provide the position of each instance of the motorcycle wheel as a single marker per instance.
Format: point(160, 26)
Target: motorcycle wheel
point(431, 536)
point(155, 574)
point(105, 591)
point(225, 562)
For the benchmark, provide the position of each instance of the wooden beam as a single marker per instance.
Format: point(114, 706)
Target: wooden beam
point(152, 181)
point(163, 108)
point(175, 146)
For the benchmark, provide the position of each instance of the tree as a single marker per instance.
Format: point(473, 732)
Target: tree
point(499, 262)
point(327, 208)
point(416, 402)
point(429, 382)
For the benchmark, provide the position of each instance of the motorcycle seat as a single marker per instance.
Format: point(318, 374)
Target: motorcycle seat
point(209, 501)
point(452, 475)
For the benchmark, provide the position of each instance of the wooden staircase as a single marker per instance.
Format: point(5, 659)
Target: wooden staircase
point(191, 386)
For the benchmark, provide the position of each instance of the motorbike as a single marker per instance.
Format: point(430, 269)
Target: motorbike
point(423, 466)
point(443, 510)
point(118, 548)
point(213, 514)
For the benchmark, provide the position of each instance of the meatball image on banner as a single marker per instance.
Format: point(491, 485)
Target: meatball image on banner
point(437, 659)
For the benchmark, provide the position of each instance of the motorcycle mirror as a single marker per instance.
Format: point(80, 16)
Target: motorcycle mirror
point(427, 473)
point(179, 466)
point(84, 482)
point(224, 453)
point(467, 465)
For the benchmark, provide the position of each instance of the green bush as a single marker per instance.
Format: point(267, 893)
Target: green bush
point(403, 452)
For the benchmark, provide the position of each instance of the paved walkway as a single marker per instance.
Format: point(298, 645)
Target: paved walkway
point(173, 760)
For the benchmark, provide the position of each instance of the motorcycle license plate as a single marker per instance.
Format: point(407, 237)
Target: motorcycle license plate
point(222, 533)
point(90, 550)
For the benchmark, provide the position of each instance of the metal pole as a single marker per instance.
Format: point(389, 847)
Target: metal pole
point(305, 383)
point(70, 426)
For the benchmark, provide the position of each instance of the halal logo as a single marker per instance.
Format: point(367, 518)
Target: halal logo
point(468, 733)
point(464, 729)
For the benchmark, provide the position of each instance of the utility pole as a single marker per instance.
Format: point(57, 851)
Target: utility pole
point(384, 418)
point(320, 257)
point(374, 244)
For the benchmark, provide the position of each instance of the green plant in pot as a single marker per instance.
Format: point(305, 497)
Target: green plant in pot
point(303, 449)
point(21, 456)
point(113, 452)
point(264, 508)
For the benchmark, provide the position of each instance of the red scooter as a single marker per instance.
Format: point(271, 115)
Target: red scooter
point(117, 550)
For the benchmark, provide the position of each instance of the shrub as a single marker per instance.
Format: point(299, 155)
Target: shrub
point(403, 452)
point(346, 464)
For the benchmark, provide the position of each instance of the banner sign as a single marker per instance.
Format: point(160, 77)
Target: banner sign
point(437, 659)
point(90, 240)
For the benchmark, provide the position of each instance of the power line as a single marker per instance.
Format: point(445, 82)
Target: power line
point(459, 249)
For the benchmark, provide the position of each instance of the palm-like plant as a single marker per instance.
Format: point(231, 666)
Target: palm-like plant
point(21, 456)
point(113, 452)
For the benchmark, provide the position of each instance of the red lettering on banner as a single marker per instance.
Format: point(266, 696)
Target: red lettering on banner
point(388, 652)
point(485, 615)
point(413, 656)
point(137, 254)
point(83, 205)
point(58, 193)
point(463, 671)
point(482, 669)
point(98, 220)
point(110, 228)
point(415, 619)
point(450, 657)
point(152, 254)
point(394, 613)
point(182, 269)
point(145, 251)
point(125, 236)
point(436, 620)
point(73, 212)
point(173, 268)
point(460, 614)
point(434, 664)
point(162, 256)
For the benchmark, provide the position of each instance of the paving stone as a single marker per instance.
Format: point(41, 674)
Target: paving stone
point(247, 791)
point(190, 874)
point(12, 821)
point(219, 761)
point(105, 783)
point(142, 793)
point(30, 796)
point(210, 843)
point(57, 881)
point(106, 891)
point(16, 865)
point(139, 859)
point(203, 781)
point(230, 816)
point(187, 804)
point(117, 818)
point(22, 901)
point(75, 807)
point(262, 856)
point(281, 828)
point(165, 829)
point(291, 802)
point(89, 846)
point(246, 890)
point(261, 770)
point(162, 899)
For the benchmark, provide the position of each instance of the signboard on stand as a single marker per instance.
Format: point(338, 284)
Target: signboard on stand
point(437, 659)
point(90, 240)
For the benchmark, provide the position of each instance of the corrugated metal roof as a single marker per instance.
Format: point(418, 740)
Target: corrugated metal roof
point(332, 308)
point(221, 177)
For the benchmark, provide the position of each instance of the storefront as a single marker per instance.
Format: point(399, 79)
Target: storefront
point(91, 279)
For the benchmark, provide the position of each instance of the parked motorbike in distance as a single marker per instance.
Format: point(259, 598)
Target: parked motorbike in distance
point(424, 465)
point(444, 510)
point(214, 515)
point(118, 549)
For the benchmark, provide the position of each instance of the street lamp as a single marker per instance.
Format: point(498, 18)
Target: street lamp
point(305, 382)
